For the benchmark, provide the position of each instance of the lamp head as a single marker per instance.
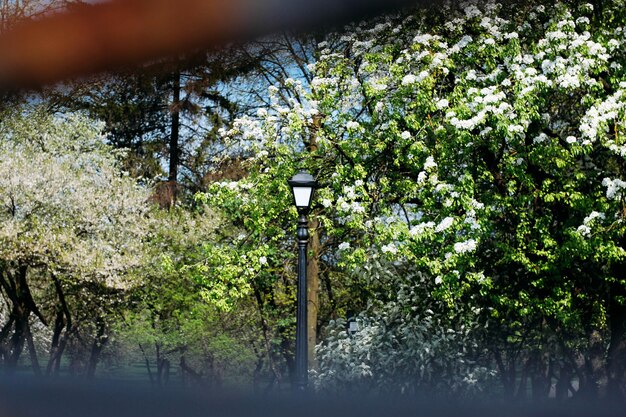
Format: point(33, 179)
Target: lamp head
point(302, 186)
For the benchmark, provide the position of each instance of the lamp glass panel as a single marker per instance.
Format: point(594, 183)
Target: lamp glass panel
point(354, 327)
point(302, 195)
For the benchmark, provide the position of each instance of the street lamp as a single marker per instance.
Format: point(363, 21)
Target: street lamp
point(302, 185)
point(353, 326)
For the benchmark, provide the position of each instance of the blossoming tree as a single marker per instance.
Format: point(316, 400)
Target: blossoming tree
point(473, 165)
point(72, 228)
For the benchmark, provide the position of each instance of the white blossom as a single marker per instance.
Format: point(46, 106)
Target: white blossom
point(430, 163)
point(352, 125)
point(409, 79)
point(542, 137)
point(584, 230)
point(444, 224)
point(442, 104)
point(356, 207)
point(614, 188)
point(593, 216)
point(389, 248)
point(420, 228)
point(466, 246)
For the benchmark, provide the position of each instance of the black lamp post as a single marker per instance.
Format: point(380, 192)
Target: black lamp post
point(302, 185)
point(353, 326)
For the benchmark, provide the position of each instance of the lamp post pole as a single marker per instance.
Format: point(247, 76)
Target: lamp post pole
point(302, 185)
point(301, 379)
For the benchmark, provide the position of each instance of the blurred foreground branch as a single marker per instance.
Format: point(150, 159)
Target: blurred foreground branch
point(93, 38)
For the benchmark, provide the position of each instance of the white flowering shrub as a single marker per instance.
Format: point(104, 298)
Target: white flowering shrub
point(403, 343)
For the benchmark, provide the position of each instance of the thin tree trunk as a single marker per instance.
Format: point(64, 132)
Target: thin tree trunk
point(17, 341)
point(165, 371)
point(187, 370)
point(55, 351)
point(21, 300)
point(148, 368)
point(163, 367)
point(256, 374)
point(507, 376)
point(564, 383)
point(266, 339)
point(594, 384)
point(34, 360)
point(522, 388)
point(616, 355)
point(63, 321)
point(541, 375)
point(174, 140)
point(4, 334)
point(96, 347)
point(157, 348)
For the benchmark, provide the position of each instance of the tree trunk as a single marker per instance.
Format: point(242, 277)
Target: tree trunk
point(148, 368)
point(16, 288)
point(4, 334)
point(312, 273)
point(32, 350)
point(564, 383)
point(256, 374)
point(541, 375)
point(313, 288)
point(174, 140)
point(521, 391)
point(96, 347)
point(162, 365)
point(507, 374)
point(616, 355)
point(17, 341)
point(54, 357)
point(276, 375)
point(593, 386)
point(63, 321)
point(187, 370)
point(164, 372)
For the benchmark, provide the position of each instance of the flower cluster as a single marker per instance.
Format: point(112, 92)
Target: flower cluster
point(614, 188)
